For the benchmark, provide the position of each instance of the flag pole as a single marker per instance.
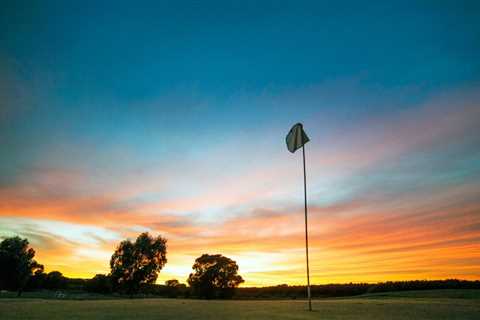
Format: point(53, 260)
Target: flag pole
point(306, 230)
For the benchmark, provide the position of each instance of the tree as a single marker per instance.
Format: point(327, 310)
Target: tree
point(55, 280)
point(37, 281)
point(100, 283)
point(172, 283)
point(17, 264)
point(136, 263)
point(215, 276)
point(173, 287)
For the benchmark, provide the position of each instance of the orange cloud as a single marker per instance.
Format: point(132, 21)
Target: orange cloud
point(361, 229)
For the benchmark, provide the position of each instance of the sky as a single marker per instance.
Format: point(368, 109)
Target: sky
point(170, 117)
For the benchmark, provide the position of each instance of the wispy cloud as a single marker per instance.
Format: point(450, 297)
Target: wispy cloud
point(392, 196)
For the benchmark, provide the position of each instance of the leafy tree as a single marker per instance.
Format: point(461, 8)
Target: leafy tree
point(136, 263)
point(37, 281)
point(172, 283)
point(17, 264)
point(174, 288)
point(215, 276)
point(100, 283)
point(55, 280)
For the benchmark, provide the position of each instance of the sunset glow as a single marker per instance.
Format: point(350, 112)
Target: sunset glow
point(175, 124)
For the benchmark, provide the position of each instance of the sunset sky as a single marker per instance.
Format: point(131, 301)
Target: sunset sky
point(170, 117)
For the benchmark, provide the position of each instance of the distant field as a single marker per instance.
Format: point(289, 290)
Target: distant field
point(435, 304)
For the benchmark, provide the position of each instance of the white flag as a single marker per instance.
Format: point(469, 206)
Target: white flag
point(296, 138)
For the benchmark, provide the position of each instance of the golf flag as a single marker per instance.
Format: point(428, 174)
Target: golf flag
point(296, 138)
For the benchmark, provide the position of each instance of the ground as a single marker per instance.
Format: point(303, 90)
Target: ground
point(438, 304)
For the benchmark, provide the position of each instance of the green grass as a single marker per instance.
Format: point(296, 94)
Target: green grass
point(48, 294)
point(434, 304)
point(438, 294)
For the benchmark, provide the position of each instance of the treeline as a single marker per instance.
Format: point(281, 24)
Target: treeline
point(135, 265)
point(101, 284)
point(351, 289)
point(50, 281)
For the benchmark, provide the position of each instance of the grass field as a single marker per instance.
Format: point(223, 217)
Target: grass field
point(438, 304)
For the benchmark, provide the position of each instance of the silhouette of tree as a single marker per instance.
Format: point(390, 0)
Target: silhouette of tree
point(17, 264)
point(55, 280)
point(172, 283)
point(100, 283)
point(215, 276)
point(174, 287)
point(37, 281)
point(136, 263)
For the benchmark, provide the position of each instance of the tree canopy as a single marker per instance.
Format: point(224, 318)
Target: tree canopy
point(17, 264)
point(139, 262)
point(100, 283)
point(214, 276)
point(172, 283)
point(55, 280)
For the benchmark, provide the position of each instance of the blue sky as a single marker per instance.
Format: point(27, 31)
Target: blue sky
point(170, 116)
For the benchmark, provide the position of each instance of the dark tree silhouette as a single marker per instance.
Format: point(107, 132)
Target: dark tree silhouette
point(17, 264)
point(37, 281)
point(215, 276)
point(100, 283)
point(172, 283)
point(174, 287)
point(136, 263)
point(55, 280)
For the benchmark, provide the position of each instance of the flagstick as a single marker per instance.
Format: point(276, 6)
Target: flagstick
point(306, 230)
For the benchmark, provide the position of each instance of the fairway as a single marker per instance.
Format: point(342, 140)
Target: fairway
point(395, 306)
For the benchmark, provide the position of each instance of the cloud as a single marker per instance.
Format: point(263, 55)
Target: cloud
point(393, 196)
